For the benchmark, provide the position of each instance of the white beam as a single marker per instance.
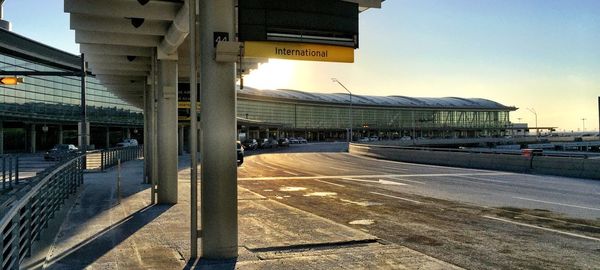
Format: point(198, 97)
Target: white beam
point(114, 50)
point(121, 79)
point(119, 72)
point(119, 66)
point(116, 39)
point(153, 10)
point(366, 3)
point(116, 59)
point(117, 25)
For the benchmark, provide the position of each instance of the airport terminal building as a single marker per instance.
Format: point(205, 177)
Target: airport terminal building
point(318, 116)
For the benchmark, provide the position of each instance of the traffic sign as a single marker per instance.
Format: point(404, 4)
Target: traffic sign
point(11, 80)
point(298, 51)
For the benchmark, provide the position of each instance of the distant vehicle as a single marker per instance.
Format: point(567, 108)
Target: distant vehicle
point(406, 138)
point(60, 151)
point(250, 144)
point(268, 143)
point(128, 143)
point(240, 153)
point(283, 142)
point(301, 140)
point(294, 140)
point(373, 138)
point(363, 139)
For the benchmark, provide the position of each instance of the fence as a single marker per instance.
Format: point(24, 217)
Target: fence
point(100, 160)
point(10, 171)
point(27, 211)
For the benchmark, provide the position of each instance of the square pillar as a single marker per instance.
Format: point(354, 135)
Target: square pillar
point(61, 138)
point(219, 210)
point(167, 132)
point(33, 137)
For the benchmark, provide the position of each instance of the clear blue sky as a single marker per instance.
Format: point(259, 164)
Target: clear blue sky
point(542, 54)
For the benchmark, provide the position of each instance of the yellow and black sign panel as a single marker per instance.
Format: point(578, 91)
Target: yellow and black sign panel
point(298, 51)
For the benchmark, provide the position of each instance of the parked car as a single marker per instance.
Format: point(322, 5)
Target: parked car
point(128, 143)
point(60, 151)
point(374, 138)
point(240, 153)
point(363, 139)
point(294, 140)
point(250, 144)
point(301, 140)
point(406, 138)
point(268, 143)
point(283, 142)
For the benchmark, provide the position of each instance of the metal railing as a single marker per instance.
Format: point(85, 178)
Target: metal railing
point(10, 171)
point(100, 160)
point(27, 211)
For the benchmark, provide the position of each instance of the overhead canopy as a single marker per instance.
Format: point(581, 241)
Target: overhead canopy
point(118, 38)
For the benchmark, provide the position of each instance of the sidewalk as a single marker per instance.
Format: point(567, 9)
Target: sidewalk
point(99, 233)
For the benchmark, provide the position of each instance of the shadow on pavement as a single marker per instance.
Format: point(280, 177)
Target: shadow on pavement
point(89, 250)
point(202, 264)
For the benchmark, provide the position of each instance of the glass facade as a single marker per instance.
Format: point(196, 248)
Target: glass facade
point(55, 98)
point(298, 116)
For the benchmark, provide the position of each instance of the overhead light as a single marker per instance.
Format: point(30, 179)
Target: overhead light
point(136, 22)
point(11, 80)
point(143, 2)
point(130, 58)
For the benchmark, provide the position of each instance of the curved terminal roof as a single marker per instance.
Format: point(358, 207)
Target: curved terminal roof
point(386, 101)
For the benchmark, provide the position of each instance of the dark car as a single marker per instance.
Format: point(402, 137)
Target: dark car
point(250, 144)
point(268, 143)
point(283, 142)
point(240, 153)
point(60, 151)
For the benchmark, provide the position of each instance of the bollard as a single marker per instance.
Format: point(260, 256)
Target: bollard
point(118, 181)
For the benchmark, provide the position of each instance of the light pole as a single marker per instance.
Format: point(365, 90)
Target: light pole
point(583, 120)
point(350, 111)
point(537, 130)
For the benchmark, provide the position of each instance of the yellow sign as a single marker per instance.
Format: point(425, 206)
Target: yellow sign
point(187, 105)
point(299, 51)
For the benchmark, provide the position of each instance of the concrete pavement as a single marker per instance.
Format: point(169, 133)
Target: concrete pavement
point(100, 233)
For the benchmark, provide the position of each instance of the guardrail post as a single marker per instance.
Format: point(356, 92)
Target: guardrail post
point(3, 172)
point(29, 227)
point(17, 169)
point(10, 172)
point(16, 234)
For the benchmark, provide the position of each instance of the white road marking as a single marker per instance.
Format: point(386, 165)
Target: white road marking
point(292, 173)
point(563, 204)
point(386, 182)
point(334, 184)
point(545, 229)
point(369, 176)
point(396, 197)
point(408, 180)
point(379, 181)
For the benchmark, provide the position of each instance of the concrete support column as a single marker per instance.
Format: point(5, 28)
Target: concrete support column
point(33, 137)
point(181, 140)
point(147, 140)
point(128, 133)
point(107, 137)
point(219, 169)
point(167, 131)
point(61, 137)
point(81, 139)
point(1, 138)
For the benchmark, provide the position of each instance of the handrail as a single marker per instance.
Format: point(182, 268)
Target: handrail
point(37, 202)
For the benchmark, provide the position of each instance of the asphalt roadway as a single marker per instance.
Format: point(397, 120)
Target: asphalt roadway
point(476, 219)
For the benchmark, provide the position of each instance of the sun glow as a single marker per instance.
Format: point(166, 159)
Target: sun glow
point(272, 75)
